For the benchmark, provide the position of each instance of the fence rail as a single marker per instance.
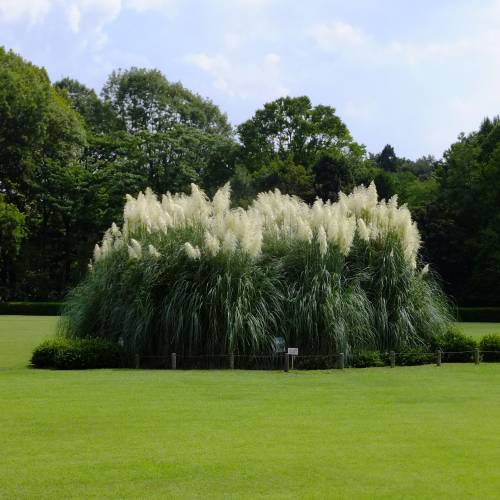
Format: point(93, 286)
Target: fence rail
point(286, 362)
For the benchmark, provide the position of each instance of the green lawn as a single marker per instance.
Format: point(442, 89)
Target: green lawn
point(478, 330)
point(417, 432)
point(18, 336)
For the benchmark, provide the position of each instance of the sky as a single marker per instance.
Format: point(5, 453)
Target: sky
point(413, 74)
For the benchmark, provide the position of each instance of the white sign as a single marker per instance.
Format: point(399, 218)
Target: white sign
point(294, 351)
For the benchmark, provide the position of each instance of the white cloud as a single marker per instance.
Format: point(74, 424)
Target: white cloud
point(247, 4)
point(155, 5)
point(89, 18)
point(105, 10)
point(232, 41)
point(244, 80)
point(441, 84)
point(96, 14)
point(336, 35)
point(272, 59)
point(73, 15)
point(350, 40)
point(16, 10)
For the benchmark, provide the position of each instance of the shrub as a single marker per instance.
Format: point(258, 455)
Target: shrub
point(31, 308)
point(366, 359)
point(44, 355)
point(315, 362)
point(415, 356)
point(490, 343)
point(456, 346)
point(77, 354)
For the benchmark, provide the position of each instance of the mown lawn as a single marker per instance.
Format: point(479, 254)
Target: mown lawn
point(18, 336)
point(478, 330)
point(416, 432)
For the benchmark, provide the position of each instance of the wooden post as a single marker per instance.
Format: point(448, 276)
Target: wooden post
point(173, 357)
point(341, 361)
point(231, 361)
point(137, 361)
point(438, 357)
point(476, 356)
point(287, 362)
point(392, 357)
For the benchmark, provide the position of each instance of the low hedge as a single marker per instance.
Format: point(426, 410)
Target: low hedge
point(479, 314)
point(366, 359)
point(319, 362)
point(68, 354)
point(490, 343)
point(415, 356)
point(456, 347)
point(31, 308)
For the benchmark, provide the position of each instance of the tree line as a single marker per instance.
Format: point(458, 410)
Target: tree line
point(68, 156)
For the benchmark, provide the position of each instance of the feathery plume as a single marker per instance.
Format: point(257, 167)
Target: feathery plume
point(192, 252)
point(153, 252)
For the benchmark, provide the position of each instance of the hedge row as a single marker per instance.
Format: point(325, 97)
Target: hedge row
point(479, 314)
point(31, 308)
point(67, 354)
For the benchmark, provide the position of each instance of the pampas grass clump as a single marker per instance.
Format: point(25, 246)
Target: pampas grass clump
point(191, 275)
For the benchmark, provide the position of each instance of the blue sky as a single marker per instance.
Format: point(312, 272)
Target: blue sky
point(412, 74)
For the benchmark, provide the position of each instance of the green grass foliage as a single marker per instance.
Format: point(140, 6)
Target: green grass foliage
point(419, 432)
point(323, 297)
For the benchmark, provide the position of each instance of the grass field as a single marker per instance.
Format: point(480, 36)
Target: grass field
point(416, 432)
point(478, 330)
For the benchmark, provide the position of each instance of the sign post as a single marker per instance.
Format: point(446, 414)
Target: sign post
point(293, 351)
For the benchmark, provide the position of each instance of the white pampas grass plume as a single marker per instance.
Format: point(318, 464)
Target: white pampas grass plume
point(134, 249)
point(153, 252)
point(323, 244)
point(372, 196)
point(347, 229)
point(212, 243)
point(251, 243)
point(271, 216)
point(97, 252)
point(425, 270)
point(115, 231)
point(363, 231)
point(304, 231)
point(229, 242)
point(222, 199)
point(191, 251)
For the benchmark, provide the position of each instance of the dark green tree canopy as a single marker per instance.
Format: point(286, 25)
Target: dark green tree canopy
point(387, 159)
point(24, 102)
point(68, 156)
point(12, 233)
point(286, 176)
point(464, 223)
point(332, 173)
point(12, 230)
point(99, 116)
point(37, 127)
point(290, 127)
point(143, 99)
